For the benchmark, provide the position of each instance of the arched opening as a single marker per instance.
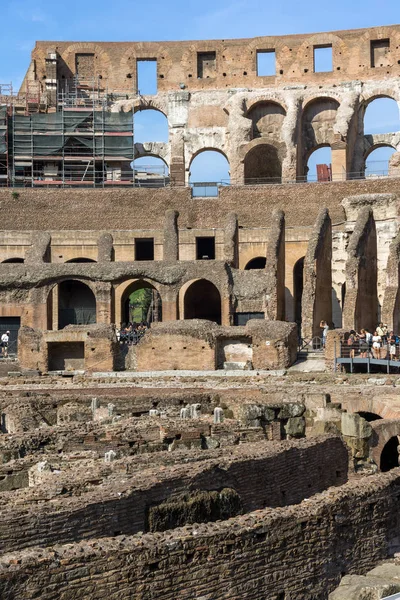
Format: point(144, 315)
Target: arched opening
point(381, 116)
point(267, 119)
point(76, 304)
point(298, 273)
point(368, 416)
point(343, 295)
point(319, 164)
point(317, 132)
point(209, 170)
point(141, 302)
point(81, 260)
point(256, 263)
point(390, 456)
point(262, 164)
point(202, 301)
point(151, 171)
point(150, 125)
point(377, 161)
point(13, 260)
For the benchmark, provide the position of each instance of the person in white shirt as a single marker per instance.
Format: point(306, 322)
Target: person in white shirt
point(5, 338)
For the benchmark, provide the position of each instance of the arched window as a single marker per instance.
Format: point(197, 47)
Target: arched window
point(150, 125)
point(208, 170)
point(151, 171)
point(256, 263)
point(141, 302)
point(262, 165)
point(76, 304)
point(319, 165)
point(381, 116)
point(202, 301)
point(377, 163)
point(267, 119)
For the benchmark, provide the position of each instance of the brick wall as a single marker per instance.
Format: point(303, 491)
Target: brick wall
point(278, 474)
point(298, 552)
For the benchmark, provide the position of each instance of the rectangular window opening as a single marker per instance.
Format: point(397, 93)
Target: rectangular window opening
point(380, 53)
point(144, 248)
point(147, 77)
point(206, 64)
point(266, 63)
point(205, 248)
point(323, 59)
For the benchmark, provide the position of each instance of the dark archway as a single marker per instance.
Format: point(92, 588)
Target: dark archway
point(256, 263)
point(76, 304)
point(202, 301)
point(390, 456)
point(141, 302)
point(368, 416)
point(262, 165)
point(81, 260)
point(298, 284)
point(13, 260)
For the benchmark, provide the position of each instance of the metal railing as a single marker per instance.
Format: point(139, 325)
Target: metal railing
point(314, 344)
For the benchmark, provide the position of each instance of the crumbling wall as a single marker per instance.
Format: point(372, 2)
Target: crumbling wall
point(361, 306)
point(317, 290)
point(275, 269)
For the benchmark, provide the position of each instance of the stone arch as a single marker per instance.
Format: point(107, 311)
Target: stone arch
point(376, 146)
point(15, 259)
point(384, 443)
point(267, 119)
point(217, 172)
point(50, 295)
point(76, 304)
point(155, 121)
point(317, 126)
point(81, 259)
point(263, 163)
point(126, 288)
point(202, 300)
point(309, 175)
point(258, 262)
point(102, 61)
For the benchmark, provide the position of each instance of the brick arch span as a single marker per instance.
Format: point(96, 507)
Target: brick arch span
point(382, 432)
point(267, 118)
point(378, 405)
point(51, 295)
point(102, 61)
point(263, 161)
point(123, 289)
point(136, 104)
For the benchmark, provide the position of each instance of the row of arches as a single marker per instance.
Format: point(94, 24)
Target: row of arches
point(378, 115)
point(76, 303)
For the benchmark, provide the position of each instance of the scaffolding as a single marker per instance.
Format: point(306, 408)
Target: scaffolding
point(6, 101)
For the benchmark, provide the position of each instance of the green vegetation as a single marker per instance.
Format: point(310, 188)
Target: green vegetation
point(140, 300)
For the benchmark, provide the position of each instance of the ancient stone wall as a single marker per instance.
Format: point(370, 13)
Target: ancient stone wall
point(297, 552)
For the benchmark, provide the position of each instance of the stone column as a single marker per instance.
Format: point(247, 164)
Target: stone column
point(231, 240)
point(103, 303)
point(169, 305)
point(171, 236)
point(105, 248)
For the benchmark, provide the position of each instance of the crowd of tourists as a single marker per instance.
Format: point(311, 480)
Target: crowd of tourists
point(131, 333)
point(381, 343)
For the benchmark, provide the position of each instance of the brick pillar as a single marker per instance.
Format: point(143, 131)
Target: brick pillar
point(339, 162)
point(171, 236)
point(103, 303)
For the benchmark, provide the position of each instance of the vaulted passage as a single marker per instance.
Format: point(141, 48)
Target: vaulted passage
point(262, 165)
point(76, 304)
point(141, 302)
point(203, 301)
point(390, 455)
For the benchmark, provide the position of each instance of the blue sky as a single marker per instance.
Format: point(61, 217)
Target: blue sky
point(23, 22)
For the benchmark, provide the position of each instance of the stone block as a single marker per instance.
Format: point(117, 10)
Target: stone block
point(359, 446)
point(296, 427)
point(355, 426)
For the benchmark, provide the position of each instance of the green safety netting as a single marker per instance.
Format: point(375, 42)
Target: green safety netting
point(47, 134)
point(3, 131)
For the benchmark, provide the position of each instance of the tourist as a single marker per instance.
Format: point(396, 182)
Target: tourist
point(364, 346)
point(5, 338)
point(376, 344)
point(392, 345)
point(352, 341)
point(325, 328)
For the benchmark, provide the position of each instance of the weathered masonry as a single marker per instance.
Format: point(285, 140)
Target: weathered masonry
point(292, 251)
